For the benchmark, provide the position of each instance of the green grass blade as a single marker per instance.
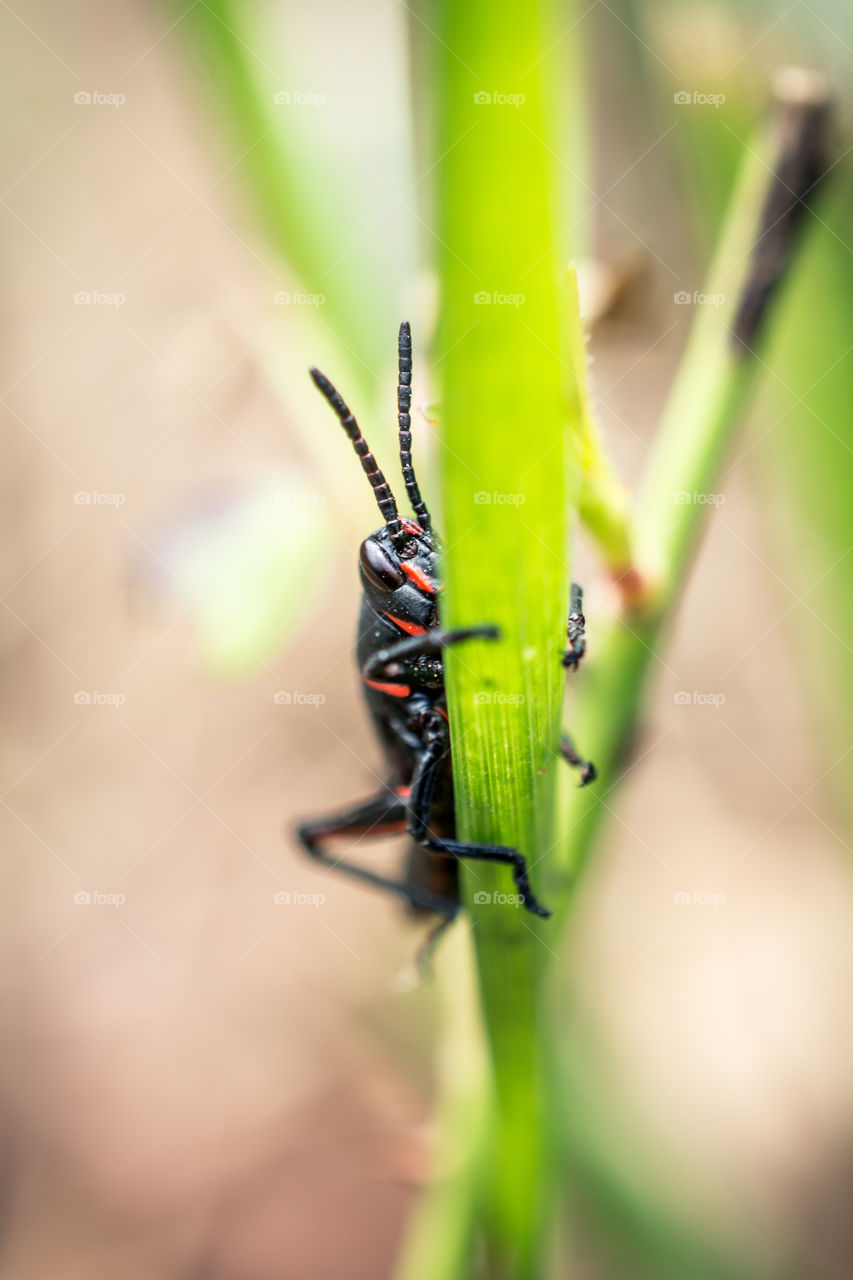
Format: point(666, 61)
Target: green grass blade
point(503, 383)
point(304, 188)
point(804, 465)
point(440, 1243)
point(711, 393)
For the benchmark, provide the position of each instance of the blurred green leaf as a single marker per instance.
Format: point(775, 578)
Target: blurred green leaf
point(246, 567)
point(283, 114)
point(803, 451)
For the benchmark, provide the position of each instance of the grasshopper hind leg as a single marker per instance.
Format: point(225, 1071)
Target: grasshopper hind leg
point(382, 815)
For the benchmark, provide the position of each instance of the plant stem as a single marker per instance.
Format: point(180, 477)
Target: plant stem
point(504, 467)
point(712, 389)
point(440, 1242)
point(715, 380)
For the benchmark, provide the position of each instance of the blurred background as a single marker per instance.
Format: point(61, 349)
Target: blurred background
point(215, 1063)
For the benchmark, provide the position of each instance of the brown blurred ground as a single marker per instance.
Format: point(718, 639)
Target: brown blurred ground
point(199, 1082)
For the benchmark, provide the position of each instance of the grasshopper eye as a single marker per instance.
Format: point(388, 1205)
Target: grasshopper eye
point(379, 568)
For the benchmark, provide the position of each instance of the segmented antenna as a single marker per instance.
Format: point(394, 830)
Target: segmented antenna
point(378, 483)
point(404, 403)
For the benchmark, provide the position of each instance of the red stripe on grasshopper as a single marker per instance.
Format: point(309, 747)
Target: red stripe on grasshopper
point(419, 577)
point(411, 628)
point(395, 690)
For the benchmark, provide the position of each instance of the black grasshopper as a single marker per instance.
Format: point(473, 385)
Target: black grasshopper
point(399, 652)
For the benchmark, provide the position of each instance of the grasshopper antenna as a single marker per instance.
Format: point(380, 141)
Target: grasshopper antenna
point(404, 404)
point(384, 497)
